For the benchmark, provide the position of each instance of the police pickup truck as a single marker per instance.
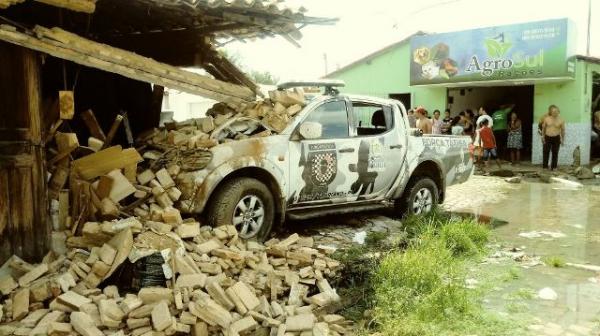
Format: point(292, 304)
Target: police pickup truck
point(340, 154)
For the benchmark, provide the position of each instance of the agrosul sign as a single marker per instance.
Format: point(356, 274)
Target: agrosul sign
point(532, 50)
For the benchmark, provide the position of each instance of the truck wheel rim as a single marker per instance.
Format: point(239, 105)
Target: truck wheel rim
point(423, 201)
point(248, 216)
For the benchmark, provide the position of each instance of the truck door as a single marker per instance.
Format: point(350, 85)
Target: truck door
point(382, 144)
point(320, 168)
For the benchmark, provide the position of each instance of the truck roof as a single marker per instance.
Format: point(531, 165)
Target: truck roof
point(358, 97)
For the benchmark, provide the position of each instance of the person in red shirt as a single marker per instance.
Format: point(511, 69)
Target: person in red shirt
point(487, 141)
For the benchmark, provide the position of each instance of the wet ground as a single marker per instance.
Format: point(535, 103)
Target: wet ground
point(544, 223)
point(532, 222)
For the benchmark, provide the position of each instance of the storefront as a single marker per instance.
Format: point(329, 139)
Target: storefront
point(528, 66)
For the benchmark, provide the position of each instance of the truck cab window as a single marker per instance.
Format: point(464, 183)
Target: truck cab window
point(371, 119)
point(333, 117)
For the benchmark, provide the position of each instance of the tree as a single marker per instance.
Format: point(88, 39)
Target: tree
point(260, 77)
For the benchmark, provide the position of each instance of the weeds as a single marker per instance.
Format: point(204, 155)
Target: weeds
point(416, 285)
point(513, 274)
point(554, 261)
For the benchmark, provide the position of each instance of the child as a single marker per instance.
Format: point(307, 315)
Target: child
point(487, 141)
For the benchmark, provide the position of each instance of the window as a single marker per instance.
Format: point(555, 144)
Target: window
point(333, 117)
point(370, 119)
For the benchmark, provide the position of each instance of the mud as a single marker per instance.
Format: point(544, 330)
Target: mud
point(570, 221)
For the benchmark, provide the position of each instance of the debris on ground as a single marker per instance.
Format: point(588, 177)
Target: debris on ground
point(567, 183)
point(515, 179)
point(584, 173)
point(119, 208)
point(547, 294)
point(217, 283)
point(359, 237)
point(541, 234)
point(516, 254)
point(596, 169)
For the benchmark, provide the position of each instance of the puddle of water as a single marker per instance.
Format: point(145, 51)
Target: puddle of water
point(534, 207)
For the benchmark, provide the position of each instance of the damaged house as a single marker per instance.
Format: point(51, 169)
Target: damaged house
point(98, 69)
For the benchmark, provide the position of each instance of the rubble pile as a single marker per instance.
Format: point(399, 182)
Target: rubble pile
point(275, 113)
point(112, 209)
point(218, 284)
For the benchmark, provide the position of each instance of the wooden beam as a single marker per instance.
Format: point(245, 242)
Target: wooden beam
point(9, 34)
point(83, 6)
point(59, 37)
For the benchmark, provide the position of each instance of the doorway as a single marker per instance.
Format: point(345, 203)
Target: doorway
point(494, 98)
point(404, 98)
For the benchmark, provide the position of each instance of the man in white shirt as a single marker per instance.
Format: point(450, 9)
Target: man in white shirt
point(482, 116)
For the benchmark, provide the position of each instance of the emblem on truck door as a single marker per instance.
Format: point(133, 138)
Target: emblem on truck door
point(323, 166)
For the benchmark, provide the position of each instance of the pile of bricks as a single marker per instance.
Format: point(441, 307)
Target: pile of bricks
point(275, 112)
point(218, 284)
point(109, 213)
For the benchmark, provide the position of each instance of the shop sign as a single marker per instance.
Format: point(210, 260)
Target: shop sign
point(534, 50)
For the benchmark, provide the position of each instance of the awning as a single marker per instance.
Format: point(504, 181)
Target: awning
point(62, 44)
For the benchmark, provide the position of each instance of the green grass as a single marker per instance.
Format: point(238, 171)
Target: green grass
point(554, 261)
point(417, 285)
point(513, 274)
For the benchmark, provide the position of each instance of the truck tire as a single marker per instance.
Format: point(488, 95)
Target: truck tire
point(420, 196)
point(245, 203)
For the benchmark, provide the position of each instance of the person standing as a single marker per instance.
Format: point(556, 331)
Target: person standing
point(478, 151)
point(446, 128)
point(553, 135)
point(483, 115)
point(423, 123)
point(515, 138)
point(500, 127)
point(455, 127)
point(488, 142)
point(436, 123)
point(467, 123)
point(412, 121)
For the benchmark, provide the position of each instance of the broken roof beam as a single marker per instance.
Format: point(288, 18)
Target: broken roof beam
point(184, 81)
point(8, 3)
point(59, 37)
point(83, 6)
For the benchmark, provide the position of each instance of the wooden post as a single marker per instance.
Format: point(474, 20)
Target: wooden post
point(24, 225)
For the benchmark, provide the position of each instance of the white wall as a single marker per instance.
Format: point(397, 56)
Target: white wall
point(184, 105)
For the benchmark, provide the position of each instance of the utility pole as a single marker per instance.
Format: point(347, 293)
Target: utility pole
point(325, 62)
point(589, 27)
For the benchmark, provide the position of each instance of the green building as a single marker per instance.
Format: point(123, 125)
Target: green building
point(529, 66)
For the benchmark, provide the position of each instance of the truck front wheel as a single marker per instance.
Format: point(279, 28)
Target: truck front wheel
point(420, 196)
point(245, 203)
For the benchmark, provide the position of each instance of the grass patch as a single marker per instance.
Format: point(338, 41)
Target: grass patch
point(513, 273)
point(554, 261)
point(416, 285)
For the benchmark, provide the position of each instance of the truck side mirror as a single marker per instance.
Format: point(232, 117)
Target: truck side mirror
point(310, 130)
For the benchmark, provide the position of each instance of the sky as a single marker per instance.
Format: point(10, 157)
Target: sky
point(367, 26)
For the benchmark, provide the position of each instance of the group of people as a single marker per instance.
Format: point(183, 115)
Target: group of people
point(503, 127)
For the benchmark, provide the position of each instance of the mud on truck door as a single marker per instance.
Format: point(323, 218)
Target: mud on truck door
point(382, 146)
point(342, 166)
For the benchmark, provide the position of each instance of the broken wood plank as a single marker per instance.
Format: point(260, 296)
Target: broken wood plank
point(105, 161)
point(89, 118)
point(113, 130)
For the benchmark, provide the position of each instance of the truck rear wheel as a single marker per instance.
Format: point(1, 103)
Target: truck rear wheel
point(245, 203)
point(420, 196)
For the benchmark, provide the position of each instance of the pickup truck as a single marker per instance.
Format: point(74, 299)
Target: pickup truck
point(340, 154)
